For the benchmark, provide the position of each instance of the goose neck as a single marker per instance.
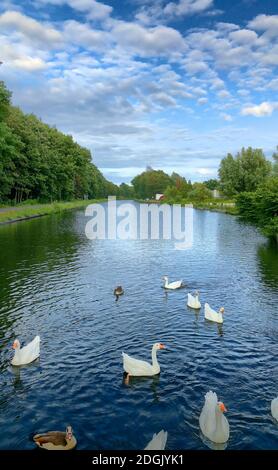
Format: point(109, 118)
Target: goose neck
point(154, 358)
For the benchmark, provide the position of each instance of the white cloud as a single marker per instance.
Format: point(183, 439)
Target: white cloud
point(243, 36)
point(263, 109)
point(82, 34)
point(148, 42)
point(267, 23)
point(202, 100)
point(187, 7)
point(94, 10)
point(31, 29)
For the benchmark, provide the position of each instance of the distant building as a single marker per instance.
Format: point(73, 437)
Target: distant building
point(159, 197)
point(215, 193)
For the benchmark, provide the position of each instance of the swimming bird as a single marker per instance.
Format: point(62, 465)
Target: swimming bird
point(214, 425)
point(274, 408)
point(193, 300)
point(171, 285)
point(158, 441)
point(56, 440)
point(212, 315)
point(118, 291)
point(136, 367)
point(27, 354)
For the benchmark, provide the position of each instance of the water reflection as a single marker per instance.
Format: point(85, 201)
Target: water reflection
point(268, 262)
point(18, 372)
point(135, 382)
point(212, 445)
point(56, 283)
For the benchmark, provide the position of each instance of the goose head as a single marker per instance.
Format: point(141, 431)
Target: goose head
point(221, 407)
point(69, 433)
point(158, 346)
point(16, 344)
point(221, 310)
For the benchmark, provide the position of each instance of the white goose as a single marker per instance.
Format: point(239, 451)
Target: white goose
point(274, 408)
point(171, 285)
point(214, 425)
point(27, 354)
point(193, 300)
point(136, 367)
point(158, 441)
point(212, 315)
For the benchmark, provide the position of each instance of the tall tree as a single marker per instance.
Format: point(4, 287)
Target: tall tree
point(244, 172)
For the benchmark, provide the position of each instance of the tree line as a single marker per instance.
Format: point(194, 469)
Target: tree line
point(248, 178)
point(39, 162)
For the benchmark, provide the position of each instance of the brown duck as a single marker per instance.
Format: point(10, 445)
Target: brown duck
point(56, 440)
point(118, 291)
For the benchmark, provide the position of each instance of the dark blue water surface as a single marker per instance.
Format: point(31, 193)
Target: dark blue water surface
point(56, 283)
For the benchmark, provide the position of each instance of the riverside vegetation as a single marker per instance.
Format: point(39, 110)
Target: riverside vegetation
point(43, 170)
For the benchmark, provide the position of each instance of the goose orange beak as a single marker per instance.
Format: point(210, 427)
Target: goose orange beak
point(14, 345)
point(162, 346)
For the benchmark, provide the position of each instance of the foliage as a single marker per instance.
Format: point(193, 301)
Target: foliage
point(126, 191)
point(244, 172)
point(261, 206)
point(25, 211)
point(150, 182)
point(199, 193)
point(275, 165)
point(212, 184)
point(39, 162)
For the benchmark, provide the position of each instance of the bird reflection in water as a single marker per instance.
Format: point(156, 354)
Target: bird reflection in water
point(17, 372)
point(212, 445)
point(134, 382)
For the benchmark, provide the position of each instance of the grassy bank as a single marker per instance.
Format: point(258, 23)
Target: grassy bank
point(22, 212)
point(225, 206)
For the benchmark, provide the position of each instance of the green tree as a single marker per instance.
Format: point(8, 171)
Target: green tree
point(275, 165)
point(212, 184)
point(199, 193)
point(37, 161)
point(244, 172)
point(5, 98)
point(261, 206)
point(151, 182)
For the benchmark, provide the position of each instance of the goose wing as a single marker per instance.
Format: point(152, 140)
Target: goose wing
point(135, 366)
point(31, 350)
point(56, 438)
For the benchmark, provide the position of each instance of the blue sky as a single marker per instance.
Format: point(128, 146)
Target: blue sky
point(170, 84)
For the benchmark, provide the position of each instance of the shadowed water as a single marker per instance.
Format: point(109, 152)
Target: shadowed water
point(56, 283)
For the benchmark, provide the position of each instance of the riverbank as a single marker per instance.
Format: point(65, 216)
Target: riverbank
point(24, 212)
point(226, 207)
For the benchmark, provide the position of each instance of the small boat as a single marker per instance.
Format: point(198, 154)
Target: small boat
point(136, 367)
point(118, 291)
point(214, 425)
point(158, 441)
point(172, 285)
point(27, 354)
point(212, 315)
point(193, 300)
point(56, 440)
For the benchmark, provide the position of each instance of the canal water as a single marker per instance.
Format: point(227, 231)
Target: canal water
point(56, 283)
